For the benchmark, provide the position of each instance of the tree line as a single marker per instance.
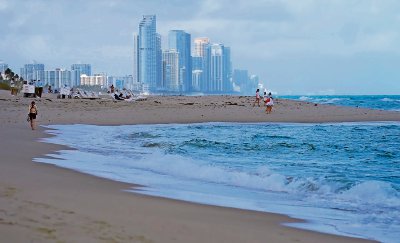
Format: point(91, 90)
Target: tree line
point(10, 80)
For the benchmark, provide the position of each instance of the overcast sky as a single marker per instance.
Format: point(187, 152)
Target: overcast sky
point(294, 46)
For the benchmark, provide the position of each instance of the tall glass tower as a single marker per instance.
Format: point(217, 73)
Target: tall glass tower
point(220, 69)
point(83, 68)
point(180, 41)
point(149, 53)
point(171, 70)
point(77, 70)
point(33, 71)
point(201, 61)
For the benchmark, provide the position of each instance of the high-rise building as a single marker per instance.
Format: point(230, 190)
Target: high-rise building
point(217, 68)
point(196, 80)
point(254, 81)
point(227, 81)
point(201, 62)
point(200, 45)
point(77, 70)
point(241, 80)
point(121, 82)
point(171, 69)
point(83, 68)
point(136, 70)
point(57, 78)
point(33, 71)
point(180, 41)
point(96, 79)
point(148, 69)
point(220, 66)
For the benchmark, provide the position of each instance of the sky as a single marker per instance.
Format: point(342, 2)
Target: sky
point(294, 46)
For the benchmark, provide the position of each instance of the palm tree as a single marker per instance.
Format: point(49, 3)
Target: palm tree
point(7, 72)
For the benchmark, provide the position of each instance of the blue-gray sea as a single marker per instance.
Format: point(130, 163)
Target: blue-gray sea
point(381, 102)
point(343, 178)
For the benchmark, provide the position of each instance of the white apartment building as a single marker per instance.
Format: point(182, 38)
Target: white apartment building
point(97, 79)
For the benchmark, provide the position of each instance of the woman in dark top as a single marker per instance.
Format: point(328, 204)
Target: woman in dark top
point(32, 114)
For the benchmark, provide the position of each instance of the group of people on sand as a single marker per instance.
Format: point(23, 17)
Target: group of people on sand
point(268, 101)
point(119, 96)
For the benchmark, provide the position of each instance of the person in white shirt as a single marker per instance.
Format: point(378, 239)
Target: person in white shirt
point(270, 104)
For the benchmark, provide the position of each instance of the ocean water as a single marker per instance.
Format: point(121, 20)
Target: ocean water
point(381, 102)
point(342, 178)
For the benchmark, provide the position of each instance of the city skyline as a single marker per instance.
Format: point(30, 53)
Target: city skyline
point(296, 47)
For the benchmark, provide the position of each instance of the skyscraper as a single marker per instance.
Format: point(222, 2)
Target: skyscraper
point(180, 41)
point(201, 62)
point(77, 70)
point(149, 53)
point(220, 69)
point(217, 68)
point(200, 45)
point(171, 70)
point(58, 78)
point(227, 82)
point(83, 68)
point(135, 58)
point(242, 80)
point(33, 71)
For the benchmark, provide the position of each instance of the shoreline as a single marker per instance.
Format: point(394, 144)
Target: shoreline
point(156, 192)
point(78, 217)
point(48, 203)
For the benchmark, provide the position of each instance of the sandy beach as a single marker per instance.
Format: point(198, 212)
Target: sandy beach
point(44, 203)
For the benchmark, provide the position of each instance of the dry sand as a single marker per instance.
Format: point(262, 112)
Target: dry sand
point(44, 203)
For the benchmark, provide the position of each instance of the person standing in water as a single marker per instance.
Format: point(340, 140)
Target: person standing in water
point(257, 98)
point(32, 114)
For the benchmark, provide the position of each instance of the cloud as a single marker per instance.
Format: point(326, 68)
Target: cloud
point(3, 5)
point(283, 41)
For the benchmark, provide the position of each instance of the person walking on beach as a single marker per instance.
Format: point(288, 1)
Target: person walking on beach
point(32, 114)
point(257, 98)
point(270, 104)
point(265, 98)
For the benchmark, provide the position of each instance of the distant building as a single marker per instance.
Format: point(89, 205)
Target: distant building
point(136, 69)
point(77, 70)
point(149, 54)
point(242, 80)
point(171, 70)
point(220, 69)
point(94, 80)
point(201, 62)
point(57, 78)
point(196, 80)
point(200, 46)
point(122, 82)
point(197, 73)
point(83, 68)
point(254, 81)
point(33, 71)
point(227, 85)
point(180, 41)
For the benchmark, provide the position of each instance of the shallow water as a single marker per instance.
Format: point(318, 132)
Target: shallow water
point(343, 178)
point(381, 102)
